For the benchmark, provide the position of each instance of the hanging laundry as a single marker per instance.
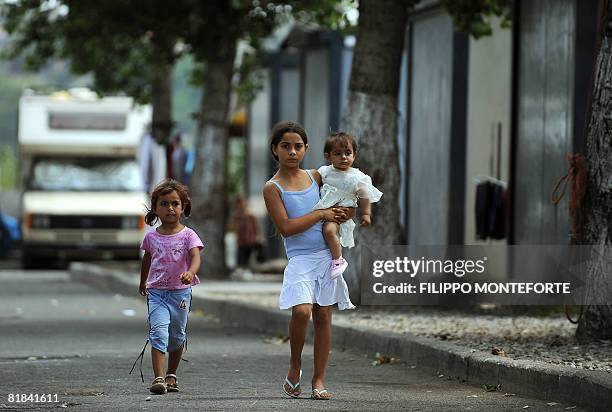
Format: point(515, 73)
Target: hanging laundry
point(491, 210)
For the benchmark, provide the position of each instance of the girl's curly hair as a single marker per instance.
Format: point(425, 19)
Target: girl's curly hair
point(165, 187)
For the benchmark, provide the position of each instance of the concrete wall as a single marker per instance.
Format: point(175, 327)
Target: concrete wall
point(290, 94)
point(489, 103)
point(258, 154)
point(10, 202)
point(315, 104)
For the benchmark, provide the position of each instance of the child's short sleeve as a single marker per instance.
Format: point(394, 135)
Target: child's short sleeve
point(365, 189)
point(146, 243)
point(323, 170)
point(194, 241)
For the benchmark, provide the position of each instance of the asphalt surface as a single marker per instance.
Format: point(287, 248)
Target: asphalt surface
point(63, 338)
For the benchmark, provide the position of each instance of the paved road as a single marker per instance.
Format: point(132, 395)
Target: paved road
point(64, 338)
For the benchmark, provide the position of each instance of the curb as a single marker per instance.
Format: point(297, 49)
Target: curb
point(547, 382)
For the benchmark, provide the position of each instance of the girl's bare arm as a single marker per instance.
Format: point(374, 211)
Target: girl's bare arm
point(317, 177)
point(194, 266)
point(366, 211)
point(288, 227)
point(144, 273)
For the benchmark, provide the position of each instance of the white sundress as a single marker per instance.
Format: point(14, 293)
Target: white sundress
point(344, 188)
point(307, 276)
point(307, 280)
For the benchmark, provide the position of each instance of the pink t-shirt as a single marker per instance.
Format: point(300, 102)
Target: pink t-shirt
point(170, 257)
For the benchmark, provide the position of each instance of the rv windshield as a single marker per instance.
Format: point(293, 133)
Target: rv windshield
point(86, 174)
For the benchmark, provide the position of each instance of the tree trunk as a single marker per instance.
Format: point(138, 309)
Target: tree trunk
point(596, 211)
point(372, 117)
point(161, 100)
point(208, 183)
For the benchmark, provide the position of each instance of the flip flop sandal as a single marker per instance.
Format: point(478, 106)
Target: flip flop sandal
point(320, 395)
point(295, 388)
point(172, 387)
point(158, 386)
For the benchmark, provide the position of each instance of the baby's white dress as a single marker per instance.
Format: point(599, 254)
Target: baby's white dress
point(344, 188)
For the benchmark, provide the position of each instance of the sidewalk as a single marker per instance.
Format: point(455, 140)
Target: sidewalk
point(384, 335)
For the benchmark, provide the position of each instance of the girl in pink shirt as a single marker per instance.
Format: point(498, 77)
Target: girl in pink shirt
point(169, 266)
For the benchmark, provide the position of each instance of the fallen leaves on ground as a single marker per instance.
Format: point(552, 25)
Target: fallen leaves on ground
point(542, 338)
point(382, 359)
point(278, 339)
point(491, 388)
point(90, 392)
point(498, 351)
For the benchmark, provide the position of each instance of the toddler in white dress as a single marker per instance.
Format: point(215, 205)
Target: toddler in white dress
point(346, 186)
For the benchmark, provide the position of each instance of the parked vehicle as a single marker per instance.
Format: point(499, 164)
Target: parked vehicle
point(83, 194)
point(10, 233)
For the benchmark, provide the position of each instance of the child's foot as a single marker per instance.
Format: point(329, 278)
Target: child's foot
point(292, 390)
point(318, 391)
point(171, 383)
point(320, 394)
point(338, 266)
point(158, 386)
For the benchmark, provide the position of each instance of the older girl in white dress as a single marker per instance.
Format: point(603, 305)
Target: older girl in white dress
point(346, 186)
point(290, 196)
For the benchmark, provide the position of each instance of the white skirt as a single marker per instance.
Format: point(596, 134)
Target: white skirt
point(307, 280)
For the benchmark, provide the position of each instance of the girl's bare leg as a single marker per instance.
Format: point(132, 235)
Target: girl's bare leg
point(321, 319)
point(174, 359)
point(158, 359)
point(330, 233)
point(298, 325)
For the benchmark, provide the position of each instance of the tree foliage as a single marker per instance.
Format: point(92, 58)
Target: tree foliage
point(120, 42)
point(251, 22)
point(474, 16)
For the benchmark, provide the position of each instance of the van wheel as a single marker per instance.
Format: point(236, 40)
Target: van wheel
point(32, 261)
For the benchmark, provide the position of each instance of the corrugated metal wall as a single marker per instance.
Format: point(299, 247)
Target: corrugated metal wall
point(430, 129)
point(545, 116)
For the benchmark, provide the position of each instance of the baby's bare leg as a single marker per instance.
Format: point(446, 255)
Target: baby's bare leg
point(330, 233)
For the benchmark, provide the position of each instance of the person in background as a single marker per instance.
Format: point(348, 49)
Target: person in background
point(248, 238)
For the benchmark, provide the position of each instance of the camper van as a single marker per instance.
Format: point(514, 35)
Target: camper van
point(83, 193)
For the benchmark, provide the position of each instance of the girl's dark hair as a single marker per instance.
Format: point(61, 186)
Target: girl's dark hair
point(165, 187)
point(286, 127)
point(340, 138)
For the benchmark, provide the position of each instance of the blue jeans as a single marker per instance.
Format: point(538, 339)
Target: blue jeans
point(168, 310)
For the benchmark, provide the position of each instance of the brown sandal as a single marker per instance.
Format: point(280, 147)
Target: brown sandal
point(158, 386)
point(172, 387)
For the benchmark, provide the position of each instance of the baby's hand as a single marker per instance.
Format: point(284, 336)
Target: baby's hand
point(186, 278)
point(365, 220)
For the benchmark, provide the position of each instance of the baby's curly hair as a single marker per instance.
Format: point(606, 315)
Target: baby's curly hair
point(343, 139)
point(165, 187)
